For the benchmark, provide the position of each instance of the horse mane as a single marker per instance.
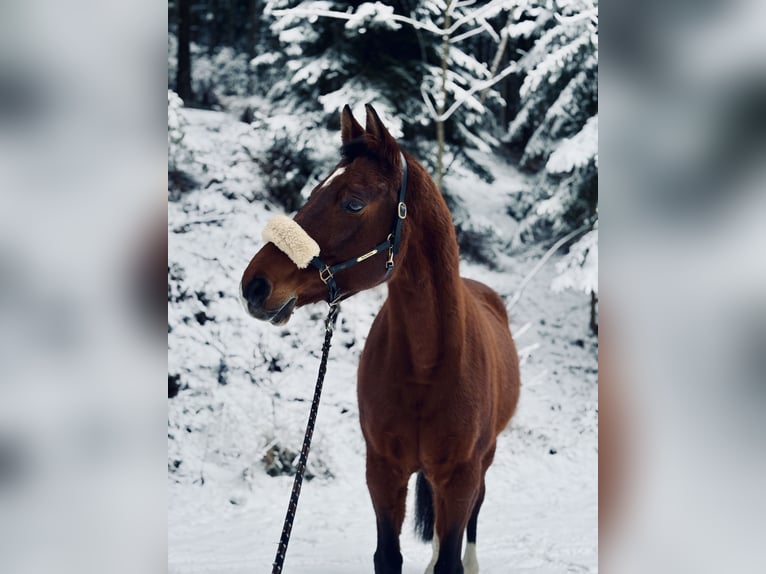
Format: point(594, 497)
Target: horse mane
point(357, 147)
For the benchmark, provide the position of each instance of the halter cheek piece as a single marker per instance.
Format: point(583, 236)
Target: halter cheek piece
point(327, 272)
point(293, 240)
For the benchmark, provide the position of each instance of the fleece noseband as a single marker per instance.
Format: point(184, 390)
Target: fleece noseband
point(298, 245)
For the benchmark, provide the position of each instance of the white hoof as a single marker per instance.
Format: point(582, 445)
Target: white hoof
point(470, 562)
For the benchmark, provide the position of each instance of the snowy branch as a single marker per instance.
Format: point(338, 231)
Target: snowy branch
point(429, 26)
point(591, 15)
point(460, 100)
point(471, 16)
point(478, 87)
point(518, 333)
point(427, 100)
point(555, 247)
point(483, 27)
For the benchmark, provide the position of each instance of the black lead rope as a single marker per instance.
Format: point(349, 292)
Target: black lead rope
point(300, 471)
point(327, 274)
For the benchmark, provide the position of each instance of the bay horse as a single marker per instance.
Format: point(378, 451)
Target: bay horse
point(438, 378)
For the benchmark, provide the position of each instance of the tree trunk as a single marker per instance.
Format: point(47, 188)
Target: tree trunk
point(184, 74)
point(498, 57)
point(593, 313)
point(214, 27)
point(440, 144)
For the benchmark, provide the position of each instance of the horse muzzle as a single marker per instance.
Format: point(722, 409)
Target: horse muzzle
point(253, 297)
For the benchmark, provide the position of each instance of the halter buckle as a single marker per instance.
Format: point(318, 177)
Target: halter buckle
point(402, 210)
point(325, 274)
point(390, 261)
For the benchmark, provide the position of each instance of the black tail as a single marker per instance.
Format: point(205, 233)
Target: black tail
point(424, 509)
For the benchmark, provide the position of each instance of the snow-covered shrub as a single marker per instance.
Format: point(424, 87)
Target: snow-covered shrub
point(477, 243)
point(283, 461)
point(224, 73)
point(178, 152)
point(287, 165)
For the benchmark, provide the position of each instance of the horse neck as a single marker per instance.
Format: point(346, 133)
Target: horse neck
point(426, 295)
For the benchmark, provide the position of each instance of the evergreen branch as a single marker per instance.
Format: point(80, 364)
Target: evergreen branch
point(471, 16)
point(591, 15)
point(483, 27)
point(427, 101)
point(429, 26)
point(478, 87)
point(504, 34)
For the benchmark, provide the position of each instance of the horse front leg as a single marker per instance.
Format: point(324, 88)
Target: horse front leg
point(455, 499)
point(470, 561)
point(388, 489)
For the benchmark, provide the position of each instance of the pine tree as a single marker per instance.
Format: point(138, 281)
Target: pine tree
point(184, 65)
point(556, 127)
point(336, 52)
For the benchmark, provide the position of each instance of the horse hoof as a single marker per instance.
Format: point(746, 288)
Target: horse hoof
point(470, 562)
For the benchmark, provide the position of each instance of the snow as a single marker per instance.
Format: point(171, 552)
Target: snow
point(579, 268)
point(246, 388)
point(522, 29)
point(372, 15)
point(576, 151)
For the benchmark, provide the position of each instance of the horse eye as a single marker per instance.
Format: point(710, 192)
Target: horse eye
point(354, 206)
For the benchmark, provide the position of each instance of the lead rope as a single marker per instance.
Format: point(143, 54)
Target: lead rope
point(284, 540)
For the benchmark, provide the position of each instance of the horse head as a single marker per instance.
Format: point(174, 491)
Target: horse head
point(344, 238)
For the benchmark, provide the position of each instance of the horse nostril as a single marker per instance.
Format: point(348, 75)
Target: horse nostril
point(256, 291)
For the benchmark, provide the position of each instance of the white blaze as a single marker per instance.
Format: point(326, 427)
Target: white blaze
point(336, 173)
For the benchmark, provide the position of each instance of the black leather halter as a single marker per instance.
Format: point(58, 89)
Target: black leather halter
point(327, 272)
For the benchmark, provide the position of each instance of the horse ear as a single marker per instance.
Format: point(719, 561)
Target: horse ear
point(349, 127)
point(379, 138)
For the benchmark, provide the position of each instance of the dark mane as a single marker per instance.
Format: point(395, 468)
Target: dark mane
point(357, 147)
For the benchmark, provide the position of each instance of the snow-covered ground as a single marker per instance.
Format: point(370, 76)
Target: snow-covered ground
point(246, 386)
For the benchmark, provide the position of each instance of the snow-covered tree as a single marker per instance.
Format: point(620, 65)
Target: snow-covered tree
point(556, 133)
point(578, 270)
point(179, 153)
point(409, 58)
point(556, 127)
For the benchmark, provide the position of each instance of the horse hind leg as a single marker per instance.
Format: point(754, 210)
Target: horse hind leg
point(388, 490)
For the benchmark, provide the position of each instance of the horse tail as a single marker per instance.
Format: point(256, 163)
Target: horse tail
point(424, 509)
